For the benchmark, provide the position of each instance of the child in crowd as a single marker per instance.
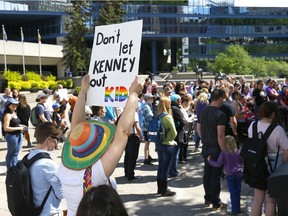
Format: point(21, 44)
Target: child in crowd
point(231, 160)
point(56, 117)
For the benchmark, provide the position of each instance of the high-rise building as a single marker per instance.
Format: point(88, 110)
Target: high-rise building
point(207, 27)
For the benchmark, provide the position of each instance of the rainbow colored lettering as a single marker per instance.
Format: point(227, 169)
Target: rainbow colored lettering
point(121, 94)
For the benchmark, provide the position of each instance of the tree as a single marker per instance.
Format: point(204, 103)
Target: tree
point(234, 60)
point(111, 13)
point(76, 56)
point(258, 67)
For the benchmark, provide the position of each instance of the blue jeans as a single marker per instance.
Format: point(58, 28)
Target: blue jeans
point(234, 186)
point(14, 144)
point(165, 153)
point(196, 137)
point(174, 162)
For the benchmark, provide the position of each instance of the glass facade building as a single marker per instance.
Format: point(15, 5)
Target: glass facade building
point(192, 29)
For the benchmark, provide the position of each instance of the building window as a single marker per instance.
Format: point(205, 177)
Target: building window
point(257, 29)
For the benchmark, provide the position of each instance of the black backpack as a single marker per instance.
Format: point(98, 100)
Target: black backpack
point(254, 153)
point(19, 189)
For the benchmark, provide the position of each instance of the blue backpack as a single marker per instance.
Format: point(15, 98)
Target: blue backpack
point(156, 130)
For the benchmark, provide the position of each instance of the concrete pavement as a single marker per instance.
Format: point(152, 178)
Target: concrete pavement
point(140, 197)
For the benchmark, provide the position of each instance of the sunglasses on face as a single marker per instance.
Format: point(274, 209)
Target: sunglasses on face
point(57, 139)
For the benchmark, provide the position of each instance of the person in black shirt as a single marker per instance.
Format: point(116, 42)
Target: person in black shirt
point(23, 113)
point(259, 96)
point(211, 129)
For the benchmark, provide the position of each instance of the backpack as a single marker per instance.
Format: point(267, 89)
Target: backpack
point(254, 153)
point(156, 130)
point(33, 117)
point(19, 190)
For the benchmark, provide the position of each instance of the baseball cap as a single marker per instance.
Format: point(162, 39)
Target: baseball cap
point(55, 105)
point(11, 101)
point(175, 97)
point(47, 91)
point(167, 89)
point(41, 95)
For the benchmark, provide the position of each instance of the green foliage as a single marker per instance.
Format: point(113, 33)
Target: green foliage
point(34, 84)
point(77, 90)
point(33, 76)
point(189, 68)
point(33, 80)
point(12, 76)
point(258, 67)
point(25, 85)
point(276, 68)
point(54, 87)
point(237, 61)
point(69, 83)
point(234, 60)
point(14, 85)
point(62, 82)
point(51, 84)
point(50, 77)
point(111, 13)
point(75, 49)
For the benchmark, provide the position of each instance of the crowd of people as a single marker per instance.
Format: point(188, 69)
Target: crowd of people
point(216, 115)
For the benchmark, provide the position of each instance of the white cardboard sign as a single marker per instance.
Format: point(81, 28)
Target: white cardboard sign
point(114, 63)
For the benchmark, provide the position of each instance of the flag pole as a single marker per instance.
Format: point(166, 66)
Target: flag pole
point(22, 39)
point(39, 47)
point(4, 45)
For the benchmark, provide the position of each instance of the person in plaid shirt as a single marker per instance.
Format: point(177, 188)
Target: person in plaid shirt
point(147, 114)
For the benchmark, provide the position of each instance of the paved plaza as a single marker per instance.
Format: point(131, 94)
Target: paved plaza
point(140, 197)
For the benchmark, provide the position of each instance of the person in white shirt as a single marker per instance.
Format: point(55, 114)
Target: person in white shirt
point(94, 148)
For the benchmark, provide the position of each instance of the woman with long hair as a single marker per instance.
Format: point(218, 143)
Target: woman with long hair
point(165, 149)
point(200, 103)
point(15, 94)
point(12, 132)
point(269, 113)
point(23, 113)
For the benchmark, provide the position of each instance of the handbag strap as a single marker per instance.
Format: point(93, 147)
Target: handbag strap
point(46, 197)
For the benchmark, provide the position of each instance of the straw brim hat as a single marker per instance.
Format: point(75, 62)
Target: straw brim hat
point(86, 144)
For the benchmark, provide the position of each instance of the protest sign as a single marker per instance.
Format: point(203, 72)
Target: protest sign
point(63, 93)
point(114, 63)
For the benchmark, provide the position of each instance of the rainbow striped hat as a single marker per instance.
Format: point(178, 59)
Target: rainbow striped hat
point(86, 143)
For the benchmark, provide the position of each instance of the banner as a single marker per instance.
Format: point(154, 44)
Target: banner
point(114, 63)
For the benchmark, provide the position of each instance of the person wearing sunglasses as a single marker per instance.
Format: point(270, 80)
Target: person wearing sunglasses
point(43, 172)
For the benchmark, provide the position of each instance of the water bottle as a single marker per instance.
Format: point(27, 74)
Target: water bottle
point(229, 207)
point(249, 204)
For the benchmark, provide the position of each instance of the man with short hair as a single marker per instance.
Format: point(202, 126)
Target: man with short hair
point(211, 129)
point(132, 150)
point(146, 110)
point(42, 112)
point(43, 172)
point(5, 97)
